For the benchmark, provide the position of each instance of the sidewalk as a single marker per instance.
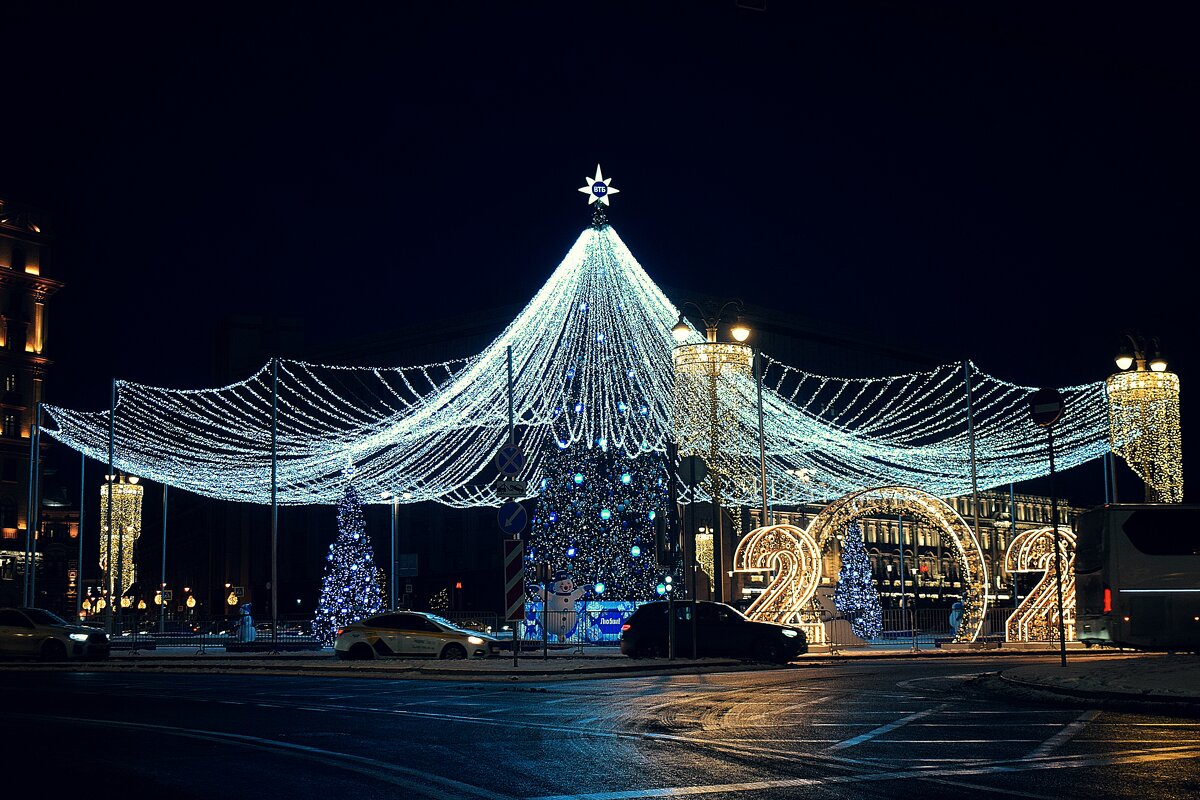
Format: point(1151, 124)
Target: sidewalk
point(1154, 678)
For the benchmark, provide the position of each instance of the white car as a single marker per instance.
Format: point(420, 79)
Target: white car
point(411, 634)
point(37, 633)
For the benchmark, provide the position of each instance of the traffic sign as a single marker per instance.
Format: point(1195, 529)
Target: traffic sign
point(514, 579)
point(692, 469)
point(1046, 407)
point(512, 518)
point(510, 459)
point(511, 490)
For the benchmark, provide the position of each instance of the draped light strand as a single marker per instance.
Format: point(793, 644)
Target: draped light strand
point(592, 368)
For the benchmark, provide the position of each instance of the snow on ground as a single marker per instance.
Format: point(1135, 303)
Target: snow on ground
point(1144, 675)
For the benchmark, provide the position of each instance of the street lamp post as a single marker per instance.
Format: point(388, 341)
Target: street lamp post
point(393, 572)
point(703, 365)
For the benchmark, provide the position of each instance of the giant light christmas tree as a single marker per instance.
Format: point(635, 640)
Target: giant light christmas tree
point(600, 504)
point(855, 595)
point(350, 590)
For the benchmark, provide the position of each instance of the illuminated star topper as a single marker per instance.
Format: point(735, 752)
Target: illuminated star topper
point(598, 188)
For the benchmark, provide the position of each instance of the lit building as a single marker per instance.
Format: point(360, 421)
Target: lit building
point(23, 364)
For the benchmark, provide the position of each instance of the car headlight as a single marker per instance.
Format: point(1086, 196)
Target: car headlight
point(474, 640)
point(79, 637)
point(791, 634)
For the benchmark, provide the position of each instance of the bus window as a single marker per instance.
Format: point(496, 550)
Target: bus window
point(1163, 532)
point(1089, 544)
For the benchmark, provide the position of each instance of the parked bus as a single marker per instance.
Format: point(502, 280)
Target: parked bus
point(1137, 576)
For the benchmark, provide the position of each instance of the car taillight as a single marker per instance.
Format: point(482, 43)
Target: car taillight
point(1107, 600)
point(339, 632)
point(625, 627)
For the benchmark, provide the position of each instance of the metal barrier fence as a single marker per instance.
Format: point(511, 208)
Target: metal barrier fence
point(203, 633)
point(591, 624)
point(916, 627)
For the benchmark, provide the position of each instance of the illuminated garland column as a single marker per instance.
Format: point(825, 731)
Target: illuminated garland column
point(702, 413)
point(121, 522)
point(1143, 415)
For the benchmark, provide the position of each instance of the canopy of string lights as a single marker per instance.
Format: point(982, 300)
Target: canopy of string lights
point(592, 368)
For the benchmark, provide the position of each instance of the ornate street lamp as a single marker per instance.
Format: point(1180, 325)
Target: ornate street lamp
point(1143, 416)
point(703, 371)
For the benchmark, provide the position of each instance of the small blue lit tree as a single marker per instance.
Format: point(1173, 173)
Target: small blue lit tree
point(855, 595)
point(350, 589)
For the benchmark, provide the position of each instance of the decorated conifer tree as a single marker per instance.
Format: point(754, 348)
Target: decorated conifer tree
point(596, 519)
point(350, 590)
point(855, 595)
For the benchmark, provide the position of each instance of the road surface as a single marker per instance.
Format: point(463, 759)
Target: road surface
point(878, 728)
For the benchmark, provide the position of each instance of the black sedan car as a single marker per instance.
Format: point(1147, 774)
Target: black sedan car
point(720, 631)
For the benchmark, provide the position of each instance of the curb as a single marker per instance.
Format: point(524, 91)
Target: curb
point(1147, 702)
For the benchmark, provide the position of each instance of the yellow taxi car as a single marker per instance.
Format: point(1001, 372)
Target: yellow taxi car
point(411, 634)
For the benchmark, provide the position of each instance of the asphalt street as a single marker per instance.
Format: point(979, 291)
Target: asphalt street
point(884, 728)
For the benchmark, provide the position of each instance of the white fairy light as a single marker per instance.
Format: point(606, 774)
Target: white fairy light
point(591, 367)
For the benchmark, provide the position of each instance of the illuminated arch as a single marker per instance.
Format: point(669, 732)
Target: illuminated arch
point(1036, 618)
point(933, 511)
point(794, 558)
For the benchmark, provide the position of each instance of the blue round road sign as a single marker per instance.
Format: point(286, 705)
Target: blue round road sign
point(512, 518)
point(510, 459)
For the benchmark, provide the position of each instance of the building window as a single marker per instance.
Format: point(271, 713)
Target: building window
point(8, 516)
point(10, 382)
point(10, 424)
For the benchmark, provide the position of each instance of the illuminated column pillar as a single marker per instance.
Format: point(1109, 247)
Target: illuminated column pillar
point(127, 526)
point(1143, 416)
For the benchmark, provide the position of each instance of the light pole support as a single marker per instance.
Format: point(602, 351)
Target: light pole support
point(28, 585)
point(762, 442)
point(162, 584)
point(274, 500)
point(79, 567)
point(395, 587)
point(974, 474)
point(1062, 622)
point(112, 476)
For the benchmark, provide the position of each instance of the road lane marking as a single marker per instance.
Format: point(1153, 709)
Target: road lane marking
point(395, 774)
point(887, 775)
point(882, 729)
point(1061, 738)
point(979, 787)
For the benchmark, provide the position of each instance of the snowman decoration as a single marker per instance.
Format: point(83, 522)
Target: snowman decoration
point(561, 597)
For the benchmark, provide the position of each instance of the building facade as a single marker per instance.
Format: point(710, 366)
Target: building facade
point(908, 557)
point(24, 292)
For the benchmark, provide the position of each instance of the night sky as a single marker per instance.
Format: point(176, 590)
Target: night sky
point(997, 184)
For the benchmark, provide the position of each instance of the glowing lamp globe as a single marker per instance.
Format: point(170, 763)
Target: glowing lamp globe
point(599, 588)
point(681, 330)
point(635, 551)
point(740, 330)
